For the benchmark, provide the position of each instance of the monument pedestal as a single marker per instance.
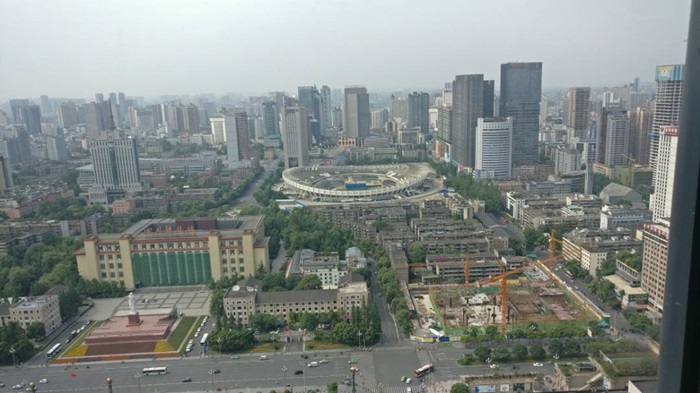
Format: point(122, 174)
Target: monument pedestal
point(134, 319)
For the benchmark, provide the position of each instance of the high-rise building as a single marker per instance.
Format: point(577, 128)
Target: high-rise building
point(115, 161)
point(271, 119)
point(29, 116)
point(654, 262)
point(379, 118)
point(356, 116)
point(67, 115)
point(310, 98)
point(295, 136)
point(144, 119)
point(398, 108)
point(640, 127)
point(447, 94)
point(337, 117)
point(660, 200)
point(46, 106)
point(237, 140)
point(444, 124)
point(543, 111)
point(6, 180)
point(56, 146)
point(579, 112)
point(667, 110)
point(418, 106)
point(494, 145)
point(99, 97)
point(218, 128)
point(521, 91)
point(183, 118)
point(98, 118)
point(467, 108)
point(607, 115)
point(617, 139)
point(567, 160)
point(326, 109)
point(489, 95)
point(14, 146)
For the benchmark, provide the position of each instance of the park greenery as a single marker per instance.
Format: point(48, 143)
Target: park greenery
point(484, 190)
point(14, 339)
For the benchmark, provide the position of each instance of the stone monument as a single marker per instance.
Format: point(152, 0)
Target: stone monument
point(134, 319)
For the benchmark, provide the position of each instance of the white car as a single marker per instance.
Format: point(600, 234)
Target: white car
point(17, 387)
point(43, 380)
point(408, 380)
point(538, 364)
point(494, 366)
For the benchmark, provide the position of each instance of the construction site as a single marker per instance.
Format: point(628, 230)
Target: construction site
point(530, 293)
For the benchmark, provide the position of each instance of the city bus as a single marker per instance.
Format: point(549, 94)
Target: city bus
point(569, 274)
point(154, 371)
point(53, 351)
point(203, 342)
point(427, 369)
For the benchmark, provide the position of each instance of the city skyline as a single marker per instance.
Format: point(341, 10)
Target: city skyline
point(113, 45)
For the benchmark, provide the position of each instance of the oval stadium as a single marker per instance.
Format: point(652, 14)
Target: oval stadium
point(356, 183)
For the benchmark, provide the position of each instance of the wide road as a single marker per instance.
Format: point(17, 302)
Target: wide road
point(500, 228)
point(390, 333)
point(250, 375)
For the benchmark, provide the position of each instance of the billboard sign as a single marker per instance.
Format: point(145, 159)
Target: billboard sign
point(670, 72)
point(485, 389)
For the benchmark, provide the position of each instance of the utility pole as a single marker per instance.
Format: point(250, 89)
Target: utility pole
point(353, 370)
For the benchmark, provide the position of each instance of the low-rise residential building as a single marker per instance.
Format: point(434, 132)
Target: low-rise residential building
point(615, 217)
point(326, 266)
point(591, 247)
point(183, 251)
point(247, 298)
point(451, 268)
point(354, 258)
point(42, 309)
point(630, 296)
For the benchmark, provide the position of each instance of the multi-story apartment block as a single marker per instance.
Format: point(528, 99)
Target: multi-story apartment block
point(162, 252)
point(247, 298)
point(42, 309)
point(591, 247)
point(654, 262)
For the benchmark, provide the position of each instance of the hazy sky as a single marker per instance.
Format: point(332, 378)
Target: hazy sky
point(142, 47)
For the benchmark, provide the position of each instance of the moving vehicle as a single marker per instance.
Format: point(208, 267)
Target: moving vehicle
point(298, 372)
point(538, 364)
point(263, 357)
point(215, 371)
point(569, 274)
point(352, 361)
point(53, 351)
point(43, 380)
point(18, 386)
point(323, 361)
point(188, 379)
point(494, 366)
point(408, 390)
point(313, 364)
point(408, 380)
point(203, 341)
point(427, 369)
point(154, 371)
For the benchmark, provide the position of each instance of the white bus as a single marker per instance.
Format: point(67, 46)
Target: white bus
point(203, 341)
point(154, 371)
point(53, 351)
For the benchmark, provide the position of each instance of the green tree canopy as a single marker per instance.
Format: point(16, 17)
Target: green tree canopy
point(537, 352)
point(310, 281)
point(416, 252)
point(482, 353)
point(519, 351)
point(459, 388)
point(263, 322)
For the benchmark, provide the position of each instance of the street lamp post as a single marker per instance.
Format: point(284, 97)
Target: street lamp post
point(353, 370)
point(12, 351)
point(359, 336)
point(284, 373)
point(138, 378)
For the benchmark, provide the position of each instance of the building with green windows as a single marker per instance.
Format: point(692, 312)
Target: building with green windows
point(183, 251)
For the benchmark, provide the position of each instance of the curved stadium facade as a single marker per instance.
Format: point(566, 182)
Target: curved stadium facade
point(355, 183)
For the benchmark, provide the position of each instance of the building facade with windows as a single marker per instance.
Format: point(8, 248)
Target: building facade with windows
point(247, 298)
point(42, 309)
point(184, 251)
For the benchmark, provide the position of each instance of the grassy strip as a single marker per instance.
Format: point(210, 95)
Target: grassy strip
point(321, 345)
point(78, 340)
point(183, 332)
point(267, 347)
